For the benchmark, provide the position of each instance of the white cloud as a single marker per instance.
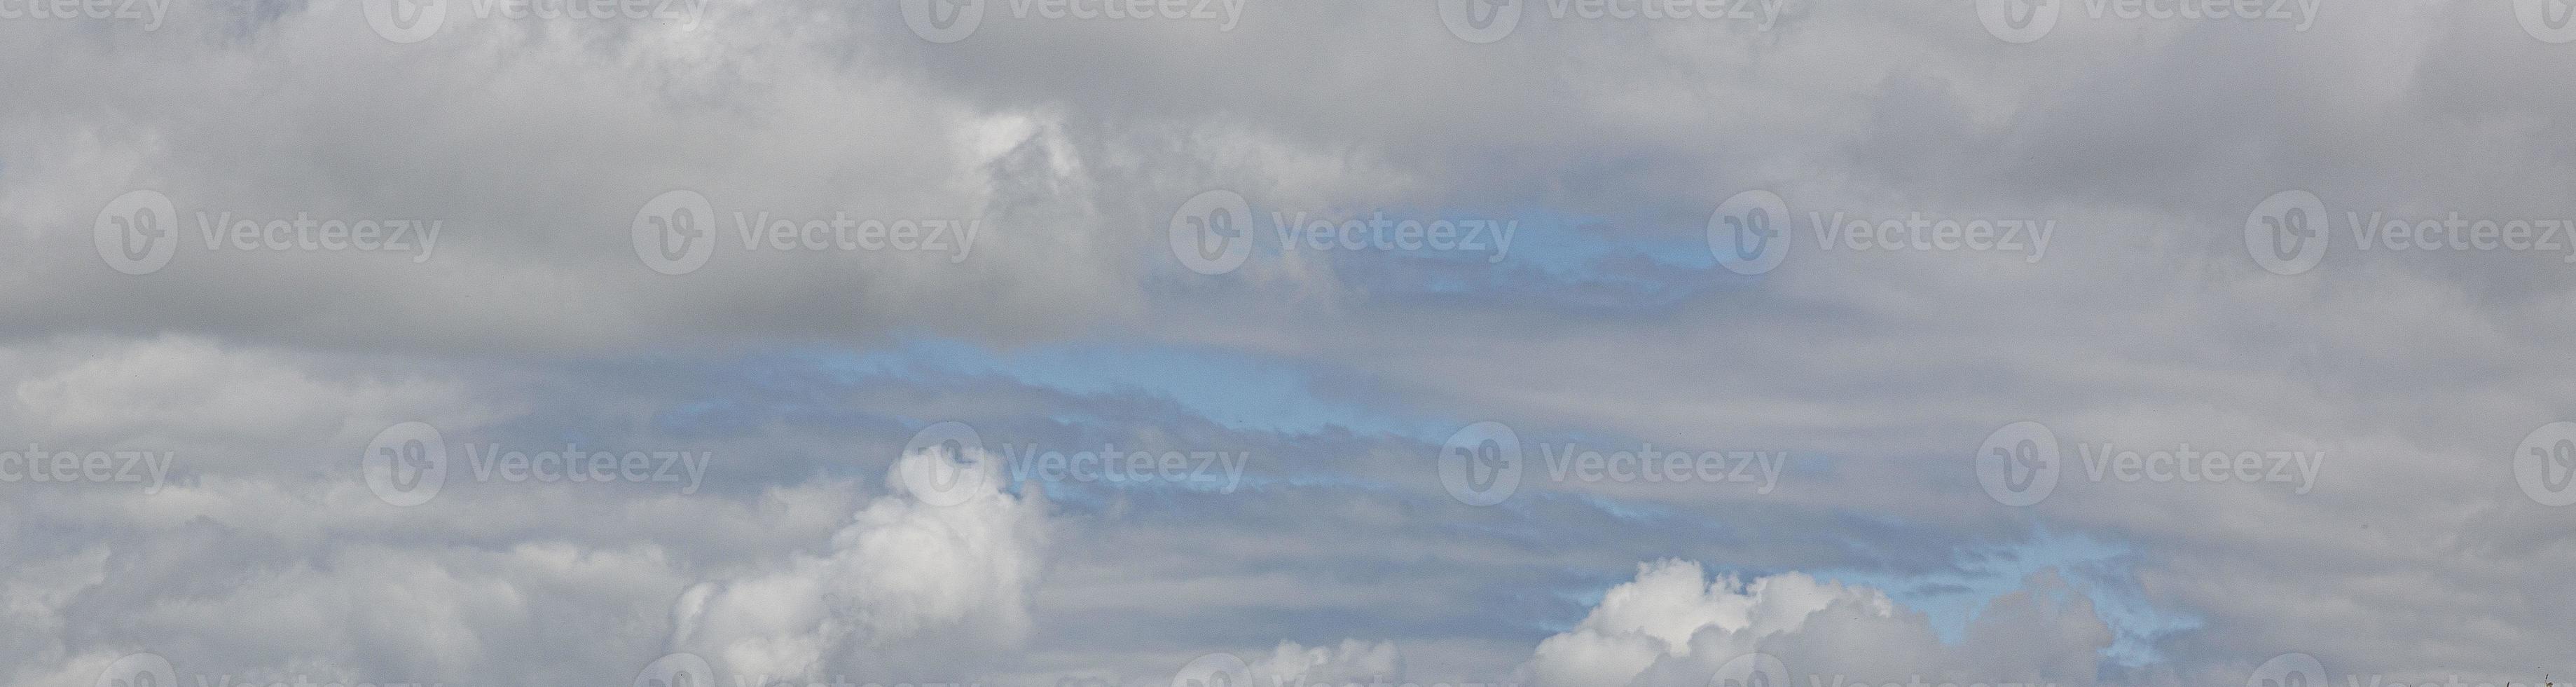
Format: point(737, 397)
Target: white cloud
point(910, 586)
point(1674, 627)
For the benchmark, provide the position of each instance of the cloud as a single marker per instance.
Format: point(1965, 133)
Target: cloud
point(919, 583)
point(1674, 627)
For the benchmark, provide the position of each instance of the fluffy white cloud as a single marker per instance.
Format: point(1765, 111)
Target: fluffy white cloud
point(920, 583)
point(1674, 627)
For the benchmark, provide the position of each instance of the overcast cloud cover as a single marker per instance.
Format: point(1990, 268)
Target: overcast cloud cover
point(1234, 343)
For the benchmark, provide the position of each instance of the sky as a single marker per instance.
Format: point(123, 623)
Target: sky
point(1258, 343)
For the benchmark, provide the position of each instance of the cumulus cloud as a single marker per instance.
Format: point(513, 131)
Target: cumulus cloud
point(919, 583)
point(1674, 627)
